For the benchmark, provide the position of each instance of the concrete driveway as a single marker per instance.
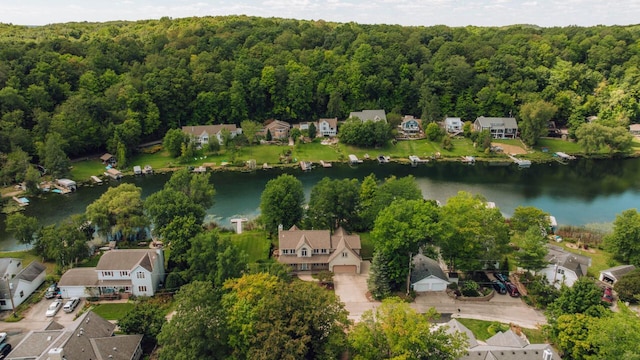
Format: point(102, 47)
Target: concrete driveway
point(352, 291)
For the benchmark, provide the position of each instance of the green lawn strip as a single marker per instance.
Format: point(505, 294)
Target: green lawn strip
point(254, 243)
point(600, 260)
point(113, 311)
point(83, 170)
point(367, 246)
point(483, 330)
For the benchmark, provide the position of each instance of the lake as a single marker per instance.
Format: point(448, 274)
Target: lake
point(583, 192)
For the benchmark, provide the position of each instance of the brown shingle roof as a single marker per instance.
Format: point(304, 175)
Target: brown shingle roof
point(79, 277)
point(126, 259)
point(116, 347)
point(198, 130)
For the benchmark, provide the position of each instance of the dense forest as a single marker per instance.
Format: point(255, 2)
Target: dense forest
point(111, 86)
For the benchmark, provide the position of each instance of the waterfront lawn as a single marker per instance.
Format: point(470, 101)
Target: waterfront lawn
point(83, 170)
point(315, 152)
point(254, 243)
point(555, 145)
point(113, 311)
point(158, 160)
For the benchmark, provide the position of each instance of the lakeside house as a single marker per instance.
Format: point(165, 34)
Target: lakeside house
point(318, 250)
point(410, 125)
point(453, 125)
point(328, 127)
point(89, 337)
point(18, 283)
point(137, 272)
point(564, 267)
point(108, 159)
point(369, 115)
point(202, 134)
point(500, 128)
point(279, 129)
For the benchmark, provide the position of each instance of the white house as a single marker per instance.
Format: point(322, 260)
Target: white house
point(369, 115)
point(453, 125)
point(89, 337)
point(202, 134)
point(564, 267)
point(133, 271)
point(612, 275)
point(427, 275)
point(317, 250)
point(500, 128)
point(328, 127)
point(15, 287)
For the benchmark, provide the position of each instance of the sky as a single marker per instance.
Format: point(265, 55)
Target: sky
point(546, 13)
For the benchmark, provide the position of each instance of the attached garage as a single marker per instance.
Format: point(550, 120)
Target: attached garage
point(345, 269)
point(430, 283)
point(427, 275)
point(74, 282)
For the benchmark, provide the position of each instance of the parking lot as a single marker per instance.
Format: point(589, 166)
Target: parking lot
point(35, 319)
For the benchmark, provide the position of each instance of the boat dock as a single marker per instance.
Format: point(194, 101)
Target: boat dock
point(325, 164)
point(469, 159)
point(382, 159)
point(563, 157)
point(520, 162)
point(23, 201)
point(415, 160)
point(306, 165)
point(354, 159)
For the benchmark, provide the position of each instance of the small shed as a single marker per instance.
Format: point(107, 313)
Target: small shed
point(427, 275)
point(107, 158)
point(67, 184)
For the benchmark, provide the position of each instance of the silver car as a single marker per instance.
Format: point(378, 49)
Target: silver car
point(53, 308)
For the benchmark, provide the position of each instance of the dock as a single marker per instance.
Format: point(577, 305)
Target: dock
point(325, 164)
point(415, 160)
point(562, 157)
point(23, 201)
point(520, 162)
point(266, 166)
point(469, 160)
point(306, 165)
point(354, 159)
point(96, 180)
point(383, 159)
point(147, 170)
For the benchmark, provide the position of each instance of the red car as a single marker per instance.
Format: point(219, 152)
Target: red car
point(512, 290)
point(608, 295)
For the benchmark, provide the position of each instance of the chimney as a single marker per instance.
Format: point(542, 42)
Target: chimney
point(56, 354)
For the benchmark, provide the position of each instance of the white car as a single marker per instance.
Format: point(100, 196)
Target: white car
point(3, 337)
point(53, 308)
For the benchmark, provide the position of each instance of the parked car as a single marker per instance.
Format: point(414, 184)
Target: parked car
point(499, 287)
point(53, 308)
point(501, 277)
point(52, 291)
point(5, 349)
point(512, 289)
point(71, 305)
point(608, 295)
point(3, 337)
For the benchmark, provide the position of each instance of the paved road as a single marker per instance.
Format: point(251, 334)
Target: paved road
point(352, 289)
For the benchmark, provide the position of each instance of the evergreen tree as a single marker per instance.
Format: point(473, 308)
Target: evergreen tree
point(269, 137)
point(378, 282)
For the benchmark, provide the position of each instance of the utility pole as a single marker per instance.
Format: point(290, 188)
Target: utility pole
point(13, 306)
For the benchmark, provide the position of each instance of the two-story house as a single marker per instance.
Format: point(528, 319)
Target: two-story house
point(137, 272)
point(369, 115)
point(279, 130)
point(202, 134)
point(500, 128)
point(453, 125)
point(318, 250)
point(410, 125)
point(17, 283)
point(564, 267)
point(328, 127)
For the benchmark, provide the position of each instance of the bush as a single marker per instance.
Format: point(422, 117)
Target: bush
point(470, 288)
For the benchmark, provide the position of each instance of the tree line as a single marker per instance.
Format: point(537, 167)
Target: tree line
point(111, 86)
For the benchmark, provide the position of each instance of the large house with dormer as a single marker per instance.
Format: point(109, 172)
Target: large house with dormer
point(500, 128)
point(369, 115)
point(318, 250)
point(202, 134)
point(137, 272)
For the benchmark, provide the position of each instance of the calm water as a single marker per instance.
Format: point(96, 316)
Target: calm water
point(577, 194)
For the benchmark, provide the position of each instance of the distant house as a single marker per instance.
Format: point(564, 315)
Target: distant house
point(317, 250)
point(328, 127)
point(305, 125)
point(612, 275)
point(427, 275)
point(410, 125)
point(501, 346)
point(369, 115)
point(634, 129)
point(108, 159)
point(17, 283)
point(202, 134)
point(564, 267)
point(89, 337)
point(132, 271)
point(279, 129)
point(500, 128)
point(453, 125)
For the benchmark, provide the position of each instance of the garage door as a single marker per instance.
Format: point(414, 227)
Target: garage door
point(430, 287)
point(344, 269)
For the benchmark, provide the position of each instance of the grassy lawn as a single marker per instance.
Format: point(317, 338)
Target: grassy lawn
point(83, 170)
point(254, 243)
point(486, 329)
point(113, 311)
point(367, 246)
point(600, 260)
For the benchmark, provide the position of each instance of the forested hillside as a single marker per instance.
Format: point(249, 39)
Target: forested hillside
point(115, 85)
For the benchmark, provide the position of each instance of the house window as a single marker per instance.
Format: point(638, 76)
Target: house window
point(107, 273)
point(3, 303)
point(140, 275)
point(285, 251)
point(345, 254)
point(21, 293)
point(324, 251)
point(304, 252)
point(124, 273)
point(142, 288)
point(561, 271)
point(316, 251)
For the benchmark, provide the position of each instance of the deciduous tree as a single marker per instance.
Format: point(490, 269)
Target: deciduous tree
point(624, 242)
point(23, 227)
point(333, 203)
point(281, 203)
point(532, 250)
point(118, 212)
point(173, 141)
point(534, 120)
point(145, 318)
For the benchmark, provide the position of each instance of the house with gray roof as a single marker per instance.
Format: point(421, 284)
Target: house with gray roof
point(88, 337)
point(564, 267)
point(612, 275)
point(328, 127)
point(131, 271)
point(18, 283)
point(318, 250)
point(202, 134)
point(427, 275)
point(500, 128)
point(502, 346)
point(369, 115)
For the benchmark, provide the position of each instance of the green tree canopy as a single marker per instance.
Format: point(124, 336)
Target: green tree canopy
point(118, 212)
point(333, 203)
point(533, 250)
point(173, 141)
point(23, 227)
point(624, 242)
point(281, 203)
point(534, 120)
point(53, 156)
point(197, 187)
point(524, 217)
point(145, 318)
